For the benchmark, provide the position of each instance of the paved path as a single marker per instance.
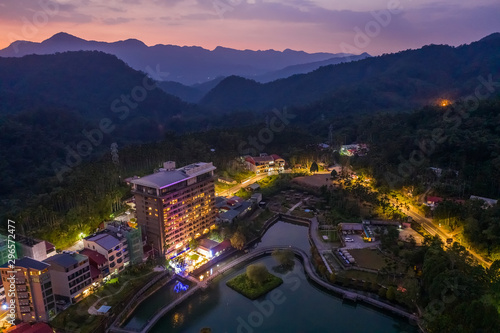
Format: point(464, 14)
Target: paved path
point(294, 206)
point(93, 311)
point(309, 268)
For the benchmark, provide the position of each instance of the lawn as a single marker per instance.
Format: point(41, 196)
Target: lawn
point(77, 314)
point(301, 213)
point(247, 288)
point(331, 234)
point(368, 258)
point(360, 275)
point(77, 317)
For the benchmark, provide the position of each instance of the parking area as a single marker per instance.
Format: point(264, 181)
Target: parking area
point(358, 242)
point(407, 232)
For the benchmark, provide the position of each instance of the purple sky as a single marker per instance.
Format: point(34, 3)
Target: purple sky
point(309, 25)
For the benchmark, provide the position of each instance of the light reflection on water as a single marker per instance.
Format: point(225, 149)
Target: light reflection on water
point(178, 319)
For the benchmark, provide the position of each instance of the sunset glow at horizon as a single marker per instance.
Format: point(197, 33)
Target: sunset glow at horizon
point(335, 26)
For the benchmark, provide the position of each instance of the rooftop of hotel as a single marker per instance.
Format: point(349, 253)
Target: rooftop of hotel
point(164, 178)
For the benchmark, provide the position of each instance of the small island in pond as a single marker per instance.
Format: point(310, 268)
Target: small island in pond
point(255, 282)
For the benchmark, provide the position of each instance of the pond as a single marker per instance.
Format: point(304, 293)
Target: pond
point(285, 234)
point(296, 306)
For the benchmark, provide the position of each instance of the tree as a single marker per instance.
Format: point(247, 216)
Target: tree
point(314, 167)
point(193, 244)
point(206, 330)
point(284, 257)
point(391, 293)
point(257, 273)
point(238, 240)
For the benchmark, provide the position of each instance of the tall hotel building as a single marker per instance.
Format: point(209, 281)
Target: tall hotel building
point(175, 205)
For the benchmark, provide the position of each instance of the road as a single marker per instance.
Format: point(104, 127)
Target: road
point(245, 183)
point(432, 229)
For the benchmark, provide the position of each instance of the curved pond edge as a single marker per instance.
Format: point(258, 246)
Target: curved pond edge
point(308, 267)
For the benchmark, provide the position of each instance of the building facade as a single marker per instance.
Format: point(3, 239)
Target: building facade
point(265, 163)
point(70, 274)
point(99, 268)
point(114, 250)
point(29, 290)
point(175, 205)
point(132, 237)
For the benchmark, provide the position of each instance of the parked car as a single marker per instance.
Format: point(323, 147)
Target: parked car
point(347, 239)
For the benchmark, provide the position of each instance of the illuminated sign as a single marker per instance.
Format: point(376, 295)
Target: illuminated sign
point(179, 286)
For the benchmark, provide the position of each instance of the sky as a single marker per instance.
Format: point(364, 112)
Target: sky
point(353, 26)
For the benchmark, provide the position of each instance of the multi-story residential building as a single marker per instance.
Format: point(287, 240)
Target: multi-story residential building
point(175, 205)
point(114, 250)
point(99, 267)
point(34, 248)
point(4, 249)
point(70, 275)
point(29, 289)
point(265, 163)
point(130, 236)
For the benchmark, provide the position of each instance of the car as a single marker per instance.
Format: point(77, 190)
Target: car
point(347, 239)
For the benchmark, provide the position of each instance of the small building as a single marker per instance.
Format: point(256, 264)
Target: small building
point(226, 180)
point(99, 268)
point(234, 212)
point(205, 247)
point(34, 248)
point(221, 248)
point(351, 227)
point(265, 163)
point(70, 273)
point(488, 203)
point(256, 198)
point(253, 187)
point(433, 201)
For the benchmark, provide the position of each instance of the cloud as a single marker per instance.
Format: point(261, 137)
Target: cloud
point(115, 20)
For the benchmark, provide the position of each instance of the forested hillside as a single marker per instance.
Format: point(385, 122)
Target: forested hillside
point(391, 82)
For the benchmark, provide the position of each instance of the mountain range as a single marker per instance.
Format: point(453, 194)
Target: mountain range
point(391, 82)
point(188, 64)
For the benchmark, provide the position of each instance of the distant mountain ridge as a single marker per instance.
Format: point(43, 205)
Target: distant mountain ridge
point(391, 82)
point(185, 64)
point(91, 85)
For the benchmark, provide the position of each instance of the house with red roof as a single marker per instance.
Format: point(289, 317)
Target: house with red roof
point(265, 163)
point(27, 328)
point(433, 201)
point(99, 265)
